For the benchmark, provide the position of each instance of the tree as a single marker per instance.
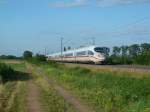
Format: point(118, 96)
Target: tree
point(134, 54)
point(115, 57)
point(145, 47)
point(116, 51)
point(134, 50)
point(9, 57)
point(125, 59)
point(124, 50)
point(27, 54)
point(40, 57)
point(143, 58)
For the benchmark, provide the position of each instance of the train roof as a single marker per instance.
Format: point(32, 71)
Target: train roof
point(74, 50)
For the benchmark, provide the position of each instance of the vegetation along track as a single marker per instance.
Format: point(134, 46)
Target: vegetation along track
point(103, 89)
point(134, 68)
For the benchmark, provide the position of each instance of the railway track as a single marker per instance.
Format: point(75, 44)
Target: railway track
point(136, 68)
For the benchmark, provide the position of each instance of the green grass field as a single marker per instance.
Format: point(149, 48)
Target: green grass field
point(104, 91)
point(12, 88)
point(49, 98)
point(14, 91)
point(51, 101)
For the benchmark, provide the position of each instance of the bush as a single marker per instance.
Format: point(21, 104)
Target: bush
point(40, 57)
point(6, 73)
point(143, 58)
point(27, 55)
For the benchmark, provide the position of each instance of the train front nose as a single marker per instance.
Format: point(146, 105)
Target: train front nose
point(102, 56)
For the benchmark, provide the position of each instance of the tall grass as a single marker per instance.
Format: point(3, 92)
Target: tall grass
point(51, 101)
point(19, 100)
point(105, 91)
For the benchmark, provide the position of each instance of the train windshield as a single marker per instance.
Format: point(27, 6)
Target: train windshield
point(99, 49)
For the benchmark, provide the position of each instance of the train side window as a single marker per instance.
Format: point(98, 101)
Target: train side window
point(90, 53)
point(81, 53)
point(70, 54)
point(99, 49)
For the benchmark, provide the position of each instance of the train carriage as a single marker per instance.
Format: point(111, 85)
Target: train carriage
point(90, 54)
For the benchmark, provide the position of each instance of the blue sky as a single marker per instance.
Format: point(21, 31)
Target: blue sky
point(39, 24)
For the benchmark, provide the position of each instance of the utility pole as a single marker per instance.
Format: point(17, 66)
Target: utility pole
point(61, 47)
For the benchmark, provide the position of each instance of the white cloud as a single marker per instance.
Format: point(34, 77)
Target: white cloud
point(141, 29)
point(101, 3)
point(105, 3)
point(75, 3)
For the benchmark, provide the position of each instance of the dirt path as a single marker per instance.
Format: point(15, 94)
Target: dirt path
point(33, 103)
point(79, 105)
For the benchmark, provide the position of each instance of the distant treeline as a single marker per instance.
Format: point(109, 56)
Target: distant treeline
point(28, 56)
point(133, 54)
point(9, 57)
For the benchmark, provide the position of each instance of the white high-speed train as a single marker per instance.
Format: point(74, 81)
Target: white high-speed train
point(90, 54)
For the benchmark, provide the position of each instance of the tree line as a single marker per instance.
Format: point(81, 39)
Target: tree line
point(133, 54)
point(126, 54)
point(9, 57)
point(28, 55)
